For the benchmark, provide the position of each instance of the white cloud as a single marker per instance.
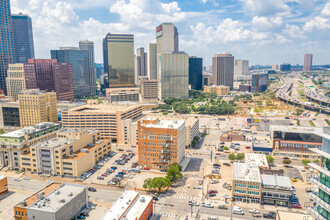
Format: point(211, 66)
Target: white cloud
point(267, 24)
point(326, 10)
point(317, 23)
point(265, 7)
point(293, 31)
point(214, 2)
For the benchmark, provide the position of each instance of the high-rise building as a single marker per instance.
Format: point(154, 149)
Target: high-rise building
point(173, 76)
point(45, 74)
point(81, 66)
point(167, 38)
point(223, 70)
point(308, 62)
point(152, 61)
point(195, 72)
point(36, 107)
point(118, 56)
point(241, 67)
point(285, 67)
point(259, 82)
point(149, 91)
point(141, 58)
point(165, 142)
point(99, 70)
point(89, 46)
point(23, 37)
point(7, 53)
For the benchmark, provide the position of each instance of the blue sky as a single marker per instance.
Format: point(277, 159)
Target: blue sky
point(262, 31)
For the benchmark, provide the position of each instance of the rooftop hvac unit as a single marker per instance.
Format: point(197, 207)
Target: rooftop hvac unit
point(57, 192)
point(62, 201)
point(70, 194)
point(142, 199)
point(23, 203)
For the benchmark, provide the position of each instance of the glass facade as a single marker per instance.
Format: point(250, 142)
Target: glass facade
point(7, 54)
point(80, 66)
point(23, 38)
point(118, 55)
point(259, 82)
point(10, 116)
point(303, 137)
point(196, 73)
point(89, 46)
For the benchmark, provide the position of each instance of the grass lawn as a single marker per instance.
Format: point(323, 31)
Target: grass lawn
point(300, 85)
point(311, 123)
point(301, 92)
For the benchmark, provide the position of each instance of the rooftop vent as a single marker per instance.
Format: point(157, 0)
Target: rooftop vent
point(62, 201)
point(70, 194)
point(57, 192)
point(142, 199)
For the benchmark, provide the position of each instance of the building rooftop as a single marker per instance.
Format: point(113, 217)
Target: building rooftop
point(2, 177)
point(320, 152)
point(130, 205)
point(58, 197)
point(30, 130)
point(298, 129)
point(246, 172)
point(165, 124)
point(191, 121)
point(103, 108)
point(85, 150)
point(276, 181)
point(219, 86)
point(258, 160)
point(284, 215)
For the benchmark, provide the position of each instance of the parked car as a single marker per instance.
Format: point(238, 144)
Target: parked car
point(155, 198)
point(297, 206)
point(100, 178)
point(222, 207)
point(207, 205)
point(212, 195)
point(212, 191)
point(26, 178)
point(17, 179)
point(226, 164)
point(238, 212)
point(254, 211)
point(146, 168)
point(257, 215)
point(302, 169)
point(200, 182)
point(193, 203)
point(91, 189)
point(120, 149)
point(270, 215)
point(214, 181)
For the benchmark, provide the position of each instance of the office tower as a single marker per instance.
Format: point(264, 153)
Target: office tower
point(129, 94)
point(165, 139)
point(7, 54)
point(259, 82)
point(16, 80)
point(167, 38)
point(149, 90)
point(195, 73)
point(81, 65)
point(99, 70)
point(173, 75)
point(276, 67)
point(36, 106)
point(223, 70)
point(285, 67)
point(141, 57)
point(308, 62)
point(241, 67)
point(89, 46)
point(152, 61)
point(118, 56)
point(23, 37)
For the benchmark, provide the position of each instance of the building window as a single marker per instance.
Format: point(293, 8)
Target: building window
point(240, 191)
point(240, 185)
point(253, 187)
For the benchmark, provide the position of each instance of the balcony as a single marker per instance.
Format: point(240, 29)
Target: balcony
point(319, 168)
point(315, 214)
point(316, 182)
point(319, 201)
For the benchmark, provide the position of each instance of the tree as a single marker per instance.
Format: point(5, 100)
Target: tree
point(231, 157)
point(160, 182)
point(286, 161)
point(174, 173)
point(269, 102)
point(165, 112)
point(299, 111)
point(259, 103)
point(147, 183)
point(176, 165)
point(270, 159)
point(225, 148)
point(316, 161)
point(240, 156)
point(305, 162)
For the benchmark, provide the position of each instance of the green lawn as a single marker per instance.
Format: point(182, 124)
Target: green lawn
point(300, 85)
point(301, 92)
point(311, 123)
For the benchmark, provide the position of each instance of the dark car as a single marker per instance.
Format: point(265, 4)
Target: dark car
point(212, 194)
point(91, 189)
point(84, 214)
point(226, 164)
point(163, 170)
point(120, 149)
point(155, 198)
point(222, 207)
point(270, 215)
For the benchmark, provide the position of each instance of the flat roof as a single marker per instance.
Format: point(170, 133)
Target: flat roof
point(276, 181)
point(246, 172)
point(191, 121)
point(58, 198)
point(29, 130)
point(320, 152)
point(258, 160)
point(85, 150)
point(165, 124)
point(2, 177)
point(53, 142)
point(104, 108)
point(297, 129)
point(284, 215)
point(139, 206)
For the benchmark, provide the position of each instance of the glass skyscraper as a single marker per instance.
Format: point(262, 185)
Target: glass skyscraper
point(195, 73)
point(80, 65)
point(7, 54)
point(23, 37)
point(118, 55)
point(89, 46)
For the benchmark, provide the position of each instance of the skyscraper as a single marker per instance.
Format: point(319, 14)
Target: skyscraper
point(80, 66)
point(118, 56)
point(23, 37)
point(7, 54)
point(241, 67)
point(89, 46)
point(223, 70)
point(195, 72)
point(152, 61)
point(141, 62)
point(308, 62)
point(173, 75)
point(167, 38)
point(259, 82)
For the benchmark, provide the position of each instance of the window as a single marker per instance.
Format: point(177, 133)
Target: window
point(240, 191)
point(253, 187)
point(240, 185)
point(253, 193)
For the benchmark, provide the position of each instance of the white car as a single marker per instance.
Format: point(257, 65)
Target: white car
point(237, 212)
point(17, 179)
point(302, 169)
point(237, 208)
point(193, 203)
point(254, 211)
point(26, 178)
point(207, 205)
point(214, 181)
point(310, 169)
point(49, 181)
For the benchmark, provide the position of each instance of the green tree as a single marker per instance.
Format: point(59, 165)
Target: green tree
point(147, 183)
point(165, 112)
point(231, 157)
point(316, 161)
point(269, 102)
point(160, 182)
point(259, 103)
point(240, 156)
point(305, 162)
point(270, 159)
point(299, 111)
point(174, 173)
point(286, 161)
point(225, 148)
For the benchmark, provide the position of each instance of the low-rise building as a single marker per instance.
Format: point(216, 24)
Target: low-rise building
point(70, 153)
point(9, 115)
point(16, 143)
point(56, 201)
point(3, 185)
point(246, 183)
point(130, 94)
point(149, 91)
point(106, 118)
point(234, 135)
point(207, 79)
point(131, 205)
point(295, 141)
point(219, 90)
point(161, 142)
point(245, 87)
point(258, 160)
point(276, 190)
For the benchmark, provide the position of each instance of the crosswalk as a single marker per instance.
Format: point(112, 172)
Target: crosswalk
point(169, 215)
point(184, 197)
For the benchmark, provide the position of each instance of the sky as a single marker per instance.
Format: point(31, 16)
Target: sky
point(261, 31)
